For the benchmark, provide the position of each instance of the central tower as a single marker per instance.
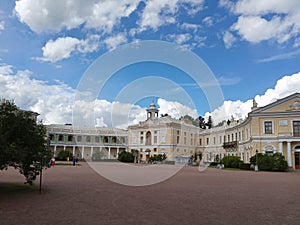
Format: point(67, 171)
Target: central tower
point(152, 111)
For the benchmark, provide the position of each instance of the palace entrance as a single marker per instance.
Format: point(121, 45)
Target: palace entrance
point(297, 160)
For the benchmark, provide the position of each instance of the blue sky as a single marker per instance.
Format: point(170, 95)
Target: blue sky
point(252, 48)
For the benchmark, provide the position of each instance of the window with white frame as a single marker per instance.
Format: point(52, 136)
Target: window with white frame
point(268, 127)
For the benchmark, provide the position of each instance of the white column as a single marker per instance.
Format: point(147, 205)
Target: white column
point(65, 148)
point(92, 151)
point(82, 152)
point(54, 151)
point(74, 150)
point(280, 148)
point(289, 154)
point(117, 151)
point(108, 153)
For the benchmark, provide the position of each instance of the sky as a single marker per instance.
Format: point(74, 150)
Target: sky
point(52, 53)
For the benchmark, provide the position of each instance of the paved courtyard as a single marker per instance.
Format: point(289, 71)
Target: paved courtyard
point(78, 195)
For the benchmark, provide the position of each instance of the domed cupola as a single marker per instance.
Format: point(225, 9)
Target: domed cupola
point(152, 111)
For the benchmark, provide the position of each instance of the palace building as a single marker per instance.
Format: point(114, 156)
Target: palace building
point(269, 129)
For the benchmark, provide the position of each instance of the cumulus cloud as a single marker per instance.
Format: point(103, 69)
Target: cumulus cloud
point(238, 109)
point(175, 109)
point(161, 12)
point(113, 41)
point(208, 21)
point(2, 25)
point(52, 102)
point(228, 39)
point(55, 102)
point(179, 38)
point(63, 47)
point(53, 16)
point(48, 15)
point(263, 20)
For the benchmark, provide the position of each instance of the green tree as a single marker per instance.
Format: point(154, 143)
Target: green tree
point(201, 122)
point(126, 157)
point(231, 161)
point(64, 154)
point(274, 162)
point(209, 122)
point(22, 142)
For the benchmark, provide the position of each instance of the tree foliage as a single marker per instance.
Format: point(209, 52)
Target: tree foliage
point(158, 158)
point(64, 155)
point(266, 162)
point(231, 161)
point(126, 157)
point(22, 142)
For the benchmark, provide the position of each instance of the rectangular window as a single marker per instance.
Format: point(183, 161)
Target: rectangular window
point(97, 139)
point(207, 141)
point(296, 128)
point(51, 136)
point(214, 140)
point(60, 137)
point(155, 139)
point(141, 140)
point(268, 127)
point(88, 138)
point(70, 137)
point(178, 138)
point(79, 138)
point(200, 141)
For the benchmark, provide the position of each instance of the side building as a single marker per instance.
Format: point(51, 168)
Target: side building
point(83, 142)
point(269, 129)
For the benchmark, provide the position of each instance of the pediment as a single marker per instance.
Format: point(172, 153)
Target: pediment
point(290, 103)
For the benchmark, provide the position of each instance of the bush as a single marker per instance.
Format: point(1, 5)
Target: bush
point(126, 157)
point(245, 166)
point(64, 154)
point(231, 161)
point(274, 162)
point(213, 164)
point(158, 158)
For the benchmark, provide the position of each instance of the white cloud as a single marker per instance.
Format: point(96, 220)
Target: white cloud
point(228, 39)
point(113, 41)
point(175, 109)
point(179, 38)
point(63, 47)
point(208, 21)
point(6, 69)
point(52, 102)
point(238, 109)
point(2, 25)
point(102, 15)
point(264, 20)
point(48, 15)
point(190, 26)
point(59, 49)
point(282, 56)
point(162, 12)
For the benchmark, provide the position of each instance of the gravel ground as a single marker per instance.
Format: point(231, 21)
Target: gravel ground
point(78, 195)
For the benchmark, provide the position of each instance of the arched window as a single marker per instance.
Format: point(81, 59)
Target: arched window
point(148, 138)
point(105, 139)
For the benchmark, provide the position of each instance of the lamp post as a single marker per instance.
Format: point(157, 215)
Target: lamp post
point(256, 163)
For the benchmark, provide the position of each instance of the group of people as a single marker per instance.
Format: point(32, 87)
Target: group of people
point(74, 160)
